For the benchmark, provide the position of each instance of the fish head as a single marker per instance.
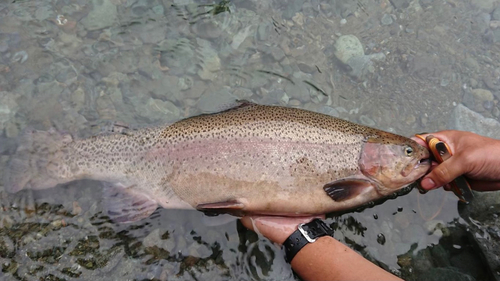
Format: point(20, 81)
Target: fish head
point(393, 162)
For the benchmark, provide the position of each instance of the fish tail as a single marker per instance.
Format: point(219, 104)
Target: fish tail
point(37, 161)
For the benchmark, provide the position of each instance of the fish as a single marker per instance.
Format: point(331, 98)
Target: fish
point(249, 159)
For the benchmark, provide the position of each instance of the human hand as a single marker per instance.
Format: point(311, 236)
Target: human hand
point(477, 157)
point(277, 229)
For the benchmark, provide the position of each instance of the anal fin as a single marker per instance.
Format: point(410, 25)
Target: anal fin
point(219, 220)
point(224, 207)
point(346, 189)
point(125, 204)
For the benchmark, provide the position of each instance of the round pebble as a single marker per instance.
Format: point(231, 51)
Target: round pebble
point(488, 105)
point(347, 47)
point(381, 239)
point(386, 19)
point(482, 95)
point(496, 14)
point(367, 121)
point(3, 47)
point(20, 57)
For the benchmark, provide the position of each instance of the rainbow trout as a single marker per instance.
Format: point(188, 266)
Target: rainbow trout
point(251, 159)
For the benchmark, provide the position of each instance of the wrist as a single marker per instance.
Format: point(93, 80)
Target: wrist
point(317, 246)
point(306, 233)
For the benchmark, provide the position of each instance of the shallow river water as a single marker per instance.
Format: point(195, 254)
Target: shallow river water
point(403, 66)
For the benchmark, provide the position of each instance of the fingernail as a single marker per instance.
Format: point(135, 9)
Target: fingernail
point(427, 183)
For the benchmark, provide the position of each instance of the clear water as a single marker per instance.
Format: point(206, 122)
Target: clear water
point(80, 65)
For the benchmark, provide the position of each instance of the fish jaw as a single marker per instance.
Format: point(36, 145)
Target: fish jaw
point(416, 169)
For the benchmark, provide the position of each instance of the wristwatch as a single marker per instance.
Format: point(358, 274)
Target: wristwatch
point(305, 234)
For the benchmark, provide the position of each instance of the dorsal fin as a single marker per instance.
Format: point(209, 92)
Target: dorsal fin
point(239, 104)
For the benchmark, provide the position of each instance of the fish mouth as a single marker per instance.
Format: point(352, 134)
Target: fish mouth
point(420, 167)
point(426, 162)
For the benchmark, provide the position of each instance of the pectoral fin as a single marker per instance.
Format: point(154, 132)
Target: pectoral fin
point(213, 209)
point(346, 189)
point(125, 204)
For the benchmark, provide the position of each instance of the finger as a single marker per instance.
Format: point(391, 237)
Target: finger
point(247, 222)
point(443, 174)
point(446, 136)
point(441, 135)
point(276, 228)
point(251, 222)
point(419, 141)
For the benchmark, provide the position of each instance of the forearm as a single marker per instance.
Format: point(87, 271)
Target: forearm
point(328, 259)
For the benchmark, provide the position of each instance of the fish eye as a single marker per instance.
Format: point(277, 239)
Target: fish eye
point(408, 151)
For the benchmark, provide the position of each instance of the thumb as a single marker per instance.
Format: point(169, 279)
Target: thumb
point(248, 222)
point(443, 173)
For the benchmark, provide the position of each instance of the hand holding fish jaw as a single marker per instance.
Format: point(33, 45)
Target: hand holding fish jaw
point(477, 157)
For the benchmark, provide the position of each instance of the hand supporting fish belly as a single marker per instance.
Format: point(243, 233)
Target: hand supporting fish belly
point(251, 159)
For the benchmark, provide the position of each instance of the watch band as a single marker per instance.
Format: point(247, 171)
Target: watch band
point(305, 234)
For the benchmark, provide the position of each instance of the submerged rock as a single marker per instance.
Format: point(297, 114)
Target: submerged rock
point(465, 119)
point(347, 47)
point(161, 239)
point(482, 213)
point(484, 227)
point(486, 5)
point(102, 15)
point(213, 101)
point(496, 13)
point(482, 94)
point(158, 110)
point(445, 273)
point(8, 108)
point(210, 61)
point(349, 50)
point(386, 19)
